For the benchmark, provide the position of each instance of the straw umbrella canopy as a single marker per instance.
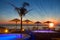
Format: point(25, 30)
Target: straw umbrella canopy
point(15, 20)
point(48, 22)
point(37, 22)
point(27, 21)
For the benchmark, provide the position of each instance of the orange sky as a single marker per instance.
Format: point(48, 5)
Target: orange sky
point(6, 22)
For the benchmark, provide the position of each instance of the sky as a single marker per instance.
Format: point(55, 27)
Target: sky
point(42, 10)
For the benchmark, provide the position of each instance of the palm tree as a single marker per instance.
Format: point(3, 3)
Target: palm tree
point(22, 10)
point(15, 20)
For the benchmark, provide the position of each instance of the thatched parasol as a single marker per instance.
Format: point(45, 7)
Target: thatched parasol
point(37, 23)
point(15, 20)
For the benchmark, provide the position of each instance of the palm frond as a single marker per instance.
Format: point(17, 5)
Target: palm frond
point(25, 4)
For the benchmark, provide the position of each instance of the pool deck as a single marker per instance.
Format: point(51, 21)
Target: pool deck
point(40, 35)
point(46, 36)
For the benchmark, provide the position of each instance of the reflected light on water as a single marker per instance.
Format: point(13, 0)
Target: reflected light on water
point(12, 36)
point(43, 31)
point(6, 30)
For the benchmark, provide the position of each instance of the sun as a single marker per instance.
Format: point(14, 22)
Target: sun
point(54, 21)
point(51, 25)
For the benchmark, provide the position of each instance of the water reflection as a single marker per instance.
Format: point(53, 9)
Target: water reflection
point(14, 36)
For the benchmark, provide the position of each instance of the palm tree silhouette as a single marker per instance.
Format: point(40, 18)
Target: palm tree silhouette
point(21, 11)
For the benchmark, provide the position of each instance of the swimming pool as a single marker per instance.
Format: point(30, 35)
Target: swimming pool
point(14, 36)
point(43, 31)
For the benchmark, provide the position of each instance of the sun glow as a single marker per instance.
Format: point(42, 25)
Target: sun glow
point(54, 20)
point(51, 25)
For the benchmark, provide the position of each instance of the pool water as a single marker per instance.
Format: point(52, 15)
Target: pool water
point(13, 36)
point(43, 31)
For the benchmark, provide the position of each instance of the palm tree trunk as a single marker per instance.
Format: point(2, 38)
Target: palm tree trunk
point(21, 23)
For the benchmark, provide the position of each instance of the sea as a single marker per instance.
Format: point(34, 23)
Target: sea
point(25, 26)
